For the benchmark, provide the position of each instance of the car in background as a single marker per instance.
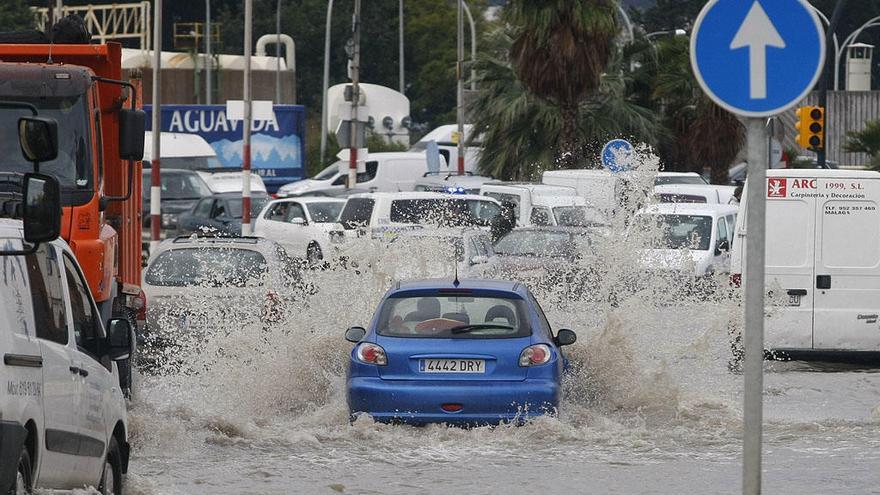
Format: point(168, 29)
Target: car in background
point(389, 171)
point(451, 183)
point(468, 352)
point(181, 190)
point(545, 205)
point(201, 284)
point(220, 213)
point(694, 193)
point(690, 178)
point(379, 215)
point(233, 181)
point(301, 225)
point(687, 241)
point(467, 252)
point(548, 258)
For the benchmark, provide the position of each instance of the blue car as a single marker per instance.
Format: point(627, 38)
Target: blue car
point(472, 352)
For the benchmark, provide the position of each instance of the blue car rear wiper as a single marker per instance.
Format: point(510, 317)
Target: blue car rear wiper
point(479, 326)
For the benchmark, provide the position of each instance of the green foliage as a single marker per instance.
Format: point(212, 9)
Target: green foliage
point(866, 141)
point(15, 15)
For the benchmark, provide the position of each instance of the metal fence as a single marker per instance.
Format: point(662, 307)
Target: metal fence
point(847, 111)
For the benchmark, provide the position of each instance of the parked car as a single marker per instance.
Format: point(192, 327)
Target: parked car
point(181, 190)
point(468, 352)
point(822, 262)
point(688, 240)
point(301, 225)
point(220, 213)
point(451, 183)
point(545, 205)
point(550, 258)
point(378, 214)
point(384, 172)
point(63, 419)
point(201, 284)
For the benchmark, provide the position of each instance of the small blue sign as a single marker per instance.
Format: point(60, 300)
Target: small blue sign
point(617, 155)
point(760, 57)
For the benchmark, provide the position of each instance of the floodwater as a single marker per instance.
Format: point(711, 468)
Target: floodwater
point(649, 407)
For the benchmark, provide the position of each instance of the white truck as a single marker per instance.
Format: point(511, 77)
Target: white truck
point(822, 261)
point(63, 419)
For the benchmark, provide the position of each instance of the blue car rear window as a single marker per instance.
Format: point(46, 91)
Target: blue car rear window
point(454, 316)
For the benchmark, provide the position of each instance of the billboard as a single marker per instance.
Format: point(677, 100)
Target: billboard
point(277, 143)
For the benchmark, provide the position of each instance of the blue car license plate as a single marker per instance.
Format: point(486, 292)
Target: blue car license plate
point(452, 366)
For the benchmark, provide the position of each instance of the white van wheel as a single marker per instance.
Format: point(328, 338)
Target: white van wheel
point(111, 479)
point(24, 482)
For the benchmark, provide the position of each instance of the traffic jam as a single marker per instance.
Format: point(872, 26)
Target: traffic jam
point(404, 322)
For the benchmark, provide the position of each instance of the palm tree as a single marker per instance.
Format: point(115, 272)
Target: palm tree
point(866, 141)
point(560, 49)
point(520, 132)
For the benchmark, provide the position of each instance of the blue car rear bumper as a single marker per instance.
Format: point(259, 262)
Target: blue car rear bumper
point(482, 402)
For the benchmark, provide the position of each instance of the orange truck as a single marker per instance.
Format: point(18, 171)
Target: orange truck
point(100, 145)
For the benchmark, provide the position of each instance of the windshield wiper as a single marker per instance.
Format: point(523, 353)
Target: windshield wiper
point(479, 326)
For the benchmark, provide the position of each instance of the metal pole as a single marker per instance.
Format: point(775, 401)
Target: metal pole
point(753, 331)
point(400, 55)
point(460, 90)
point(473, 45)
point(246, 149)
point(155, 177)
point(355, 96)
point(210, 62)
point(823, 80)
point(59, 4)
point(326, 81)
point(278, 53)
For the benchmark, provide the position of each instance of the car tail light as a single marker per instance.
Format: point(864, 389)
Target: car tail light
point(371, 354)
point(534, 355)
point(736, 279)
point(451, 407)
point(140, 305)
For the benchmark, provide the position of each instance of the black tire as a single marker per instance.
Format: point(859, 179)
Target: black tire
point(111, 479)
point(24, 477)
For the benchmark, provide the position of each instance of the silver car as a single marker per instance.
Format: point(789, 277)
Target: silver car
point(197, 287)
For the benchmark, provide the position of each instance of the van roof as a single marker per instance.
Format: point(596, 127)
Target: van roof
point(177, 145)
point(443, 134)
point(689, 209)
point(823, 173)
point(534, 189)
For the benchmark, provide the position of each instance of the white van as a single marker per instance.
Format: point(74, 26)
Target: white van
point(63, 420)
point(385, 172)
point(544, 205)
point(703, 231)
point(601, 188)
point(822, 260)
point(448, 147)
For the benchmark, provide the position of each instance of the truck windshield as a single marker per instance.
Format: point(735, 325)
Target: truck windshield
point(73, 165)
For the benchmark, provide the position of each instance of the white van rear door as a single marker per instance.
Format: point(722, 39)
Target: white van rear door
point(790, 253)
point(848, 265)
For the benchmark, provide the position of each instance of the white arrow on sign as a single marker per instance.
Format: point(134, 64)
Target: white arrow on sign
point(757, 32)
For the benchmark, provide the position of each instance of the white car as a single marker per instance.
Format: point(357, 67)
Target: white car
point(225, 182)
point(452, 183)
point(380, 214)
point(63, 419)
point(545, 205)
point(692, 240)
point(301, 225)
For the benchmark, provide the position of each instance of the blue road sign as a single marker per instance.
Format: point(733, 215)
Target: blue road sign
point(757, 58)
point(617, 155)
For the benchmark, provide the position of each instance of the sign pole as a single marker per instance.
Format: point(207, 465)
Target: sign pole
point(354, 121)
point(155, 177)
point(246, 151)
point(753, 331)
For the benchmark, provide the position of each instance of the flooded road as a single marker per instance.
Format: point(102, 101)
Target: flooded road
point(649, 407)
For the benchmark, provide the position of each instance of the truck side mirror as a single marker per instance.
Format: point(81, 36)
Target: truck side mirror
point(42, 208)
point(38, 138)
point(132, 126)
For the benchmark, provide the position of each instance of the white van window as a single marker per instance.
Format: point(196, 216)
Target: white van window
point(841, 220)
point(788, 234)
point(356, 213)
point(370, 174)
point(47, 295)
point(86, 324)
point(278, 212)
point(502, 197)
point(541, 216)
point(731, 225)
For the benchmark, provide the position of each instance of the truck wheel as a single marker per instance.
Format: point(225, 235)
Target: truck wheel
point(125, 373)
point(24, 477)
point(111, 480)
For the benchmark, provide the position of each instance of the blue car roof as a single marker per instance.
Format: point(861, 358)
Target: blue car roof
point(464, 284)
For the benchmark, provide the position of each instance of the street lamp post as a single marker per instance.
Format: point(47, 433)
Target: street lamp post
point(278, 53)
point(324, 108)
point(467, 11)
point(209, 61)
point(400, 37)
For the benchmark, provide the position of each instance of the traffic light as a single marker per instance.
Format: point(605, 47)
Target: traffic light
point(810, 127)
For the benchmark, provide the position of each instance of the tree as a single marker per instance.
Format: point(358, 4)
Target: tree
point(520, 132)
point(560, 49)
point(866, 141)
point(15, 15)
